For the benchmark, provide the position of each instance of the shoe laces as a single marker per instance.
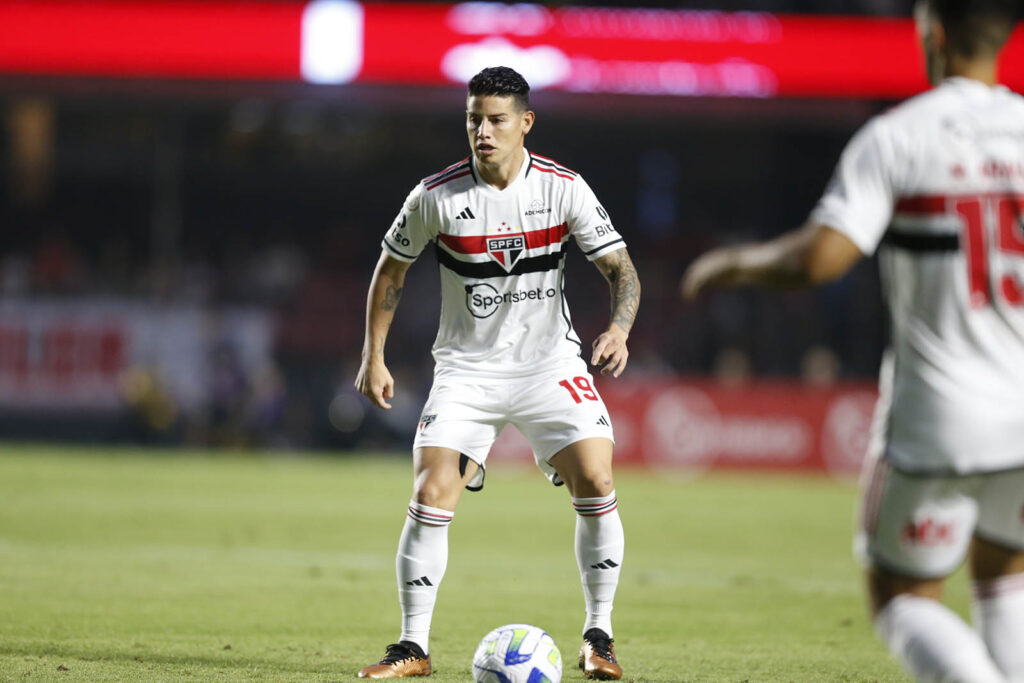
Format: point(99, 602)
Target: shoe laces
point(399, 652)
point(600, 643)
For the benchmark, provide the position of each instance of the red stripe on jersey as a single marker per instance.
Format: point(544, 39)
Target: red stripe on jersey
point(923, 204)
point(537, 167)
point(469, 244)
point(432, 178)
point(542, 238)
point(449, 179)
point(477, 244)
point(562, 166)
point(934, 204)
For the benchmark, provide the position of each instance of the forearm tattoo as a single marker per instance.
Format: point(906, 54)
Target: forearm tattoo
point(392, 295)
point(618, 269)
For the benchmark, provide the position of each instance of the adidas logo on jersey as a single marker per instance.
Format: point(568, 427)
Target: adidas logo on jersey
point(466, 214)
point(603, 421)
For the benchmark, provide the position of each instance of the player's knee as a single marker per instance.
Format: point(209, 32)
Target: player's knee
point(884, 587)
point(593, 484)
point(438, 493)
point(989, 560)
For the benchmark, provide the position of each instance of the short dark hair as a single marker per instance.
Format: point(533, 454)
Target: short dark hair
point(503, 82)
point(975, 28)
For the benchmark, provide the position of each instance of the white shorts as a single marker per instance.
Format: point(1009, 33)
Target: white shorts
point(921, 526)
point(551, 410)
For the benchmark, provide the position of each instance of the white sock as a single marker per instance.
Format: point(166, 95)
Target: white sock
point(998, 609)
point(420, 564)
point(599, 549)
point(933, 643)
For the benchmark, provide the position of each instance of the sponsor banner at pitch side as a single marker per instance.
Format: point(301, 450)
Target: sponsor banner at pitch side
point(700, 425)
point(74, 354)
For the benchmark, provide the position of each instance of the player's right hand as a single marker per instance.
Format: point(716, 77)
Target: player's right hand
point(374, 381)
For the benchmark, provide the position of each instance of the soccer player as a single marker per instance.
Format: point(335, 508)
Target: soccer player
point(936, 185)
point(505, 353)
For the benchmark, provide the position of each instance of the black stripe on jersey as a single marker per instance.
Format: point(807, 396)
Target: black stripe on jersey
point(434, 180)
point(430, 179)
point(388, 245)
point(488, 269)
point(597, 249)
point(912, 241)
point(548, 164)
point(529, 165)
point(565, 312)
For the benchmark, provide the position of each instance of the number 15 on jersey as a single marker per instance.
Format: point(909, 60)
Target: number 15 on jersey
point(1006, 215)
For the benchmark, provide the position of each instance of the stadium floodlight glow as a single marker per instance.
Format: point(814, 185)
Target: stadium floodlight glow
point(332, 41)
point(541, 65)
point(731, 77)
point(490, 18)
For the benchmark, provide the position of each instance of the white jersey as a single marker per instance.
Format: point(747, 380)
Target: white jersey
point(501, 255)
point(937, 185)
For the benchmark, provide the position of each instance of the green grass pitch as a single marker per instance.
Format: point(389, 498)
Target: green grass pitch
point(132, 565)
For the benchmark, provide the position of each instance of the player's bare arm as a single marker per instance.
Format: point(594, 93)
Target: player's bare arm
point(811, 255)
point(374, 380)
point(610, 346)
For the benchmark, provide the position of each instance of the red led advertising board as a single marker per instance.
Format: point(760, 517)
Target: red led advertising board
point(574, 49)
point(699, 425)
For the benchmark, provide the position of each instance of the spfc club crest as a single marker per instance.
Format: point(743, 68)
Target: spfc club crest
point(506, 249)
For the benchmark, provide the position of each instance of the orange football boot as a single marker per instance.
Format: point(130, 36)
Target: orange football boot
point(597, 657)
point(401, 659)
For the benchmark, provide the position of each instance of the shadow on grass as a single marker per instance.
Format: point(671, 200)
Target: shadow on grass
point(233, 661)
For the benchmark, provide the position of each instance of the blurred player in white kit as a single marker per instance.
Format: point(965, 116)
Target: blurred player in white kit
point(506, 353)
point(936, 186)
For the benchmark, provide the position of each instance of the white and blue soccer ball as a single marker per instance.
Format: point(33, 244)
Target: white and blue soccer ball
point(517, 653)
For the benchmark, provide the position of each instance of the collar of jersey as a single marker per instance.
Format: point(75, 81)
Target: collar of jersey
point(972, 84)
point(511, 187)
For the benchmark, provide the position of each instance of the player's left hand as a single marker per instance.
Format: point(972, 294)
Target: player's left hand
point(716, 268)
point(610, 351)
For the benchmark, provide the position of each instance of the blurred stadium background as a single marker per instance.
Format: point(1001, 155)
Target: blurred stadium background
point(193, 196)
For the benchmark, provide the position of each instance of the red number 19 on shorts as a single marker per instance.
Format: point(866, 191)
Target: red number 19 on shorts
point(581, 383)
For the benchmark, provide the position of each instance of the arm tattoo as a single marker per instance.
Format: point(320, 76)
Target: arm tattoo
point(392, 295)
point(618, 269)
